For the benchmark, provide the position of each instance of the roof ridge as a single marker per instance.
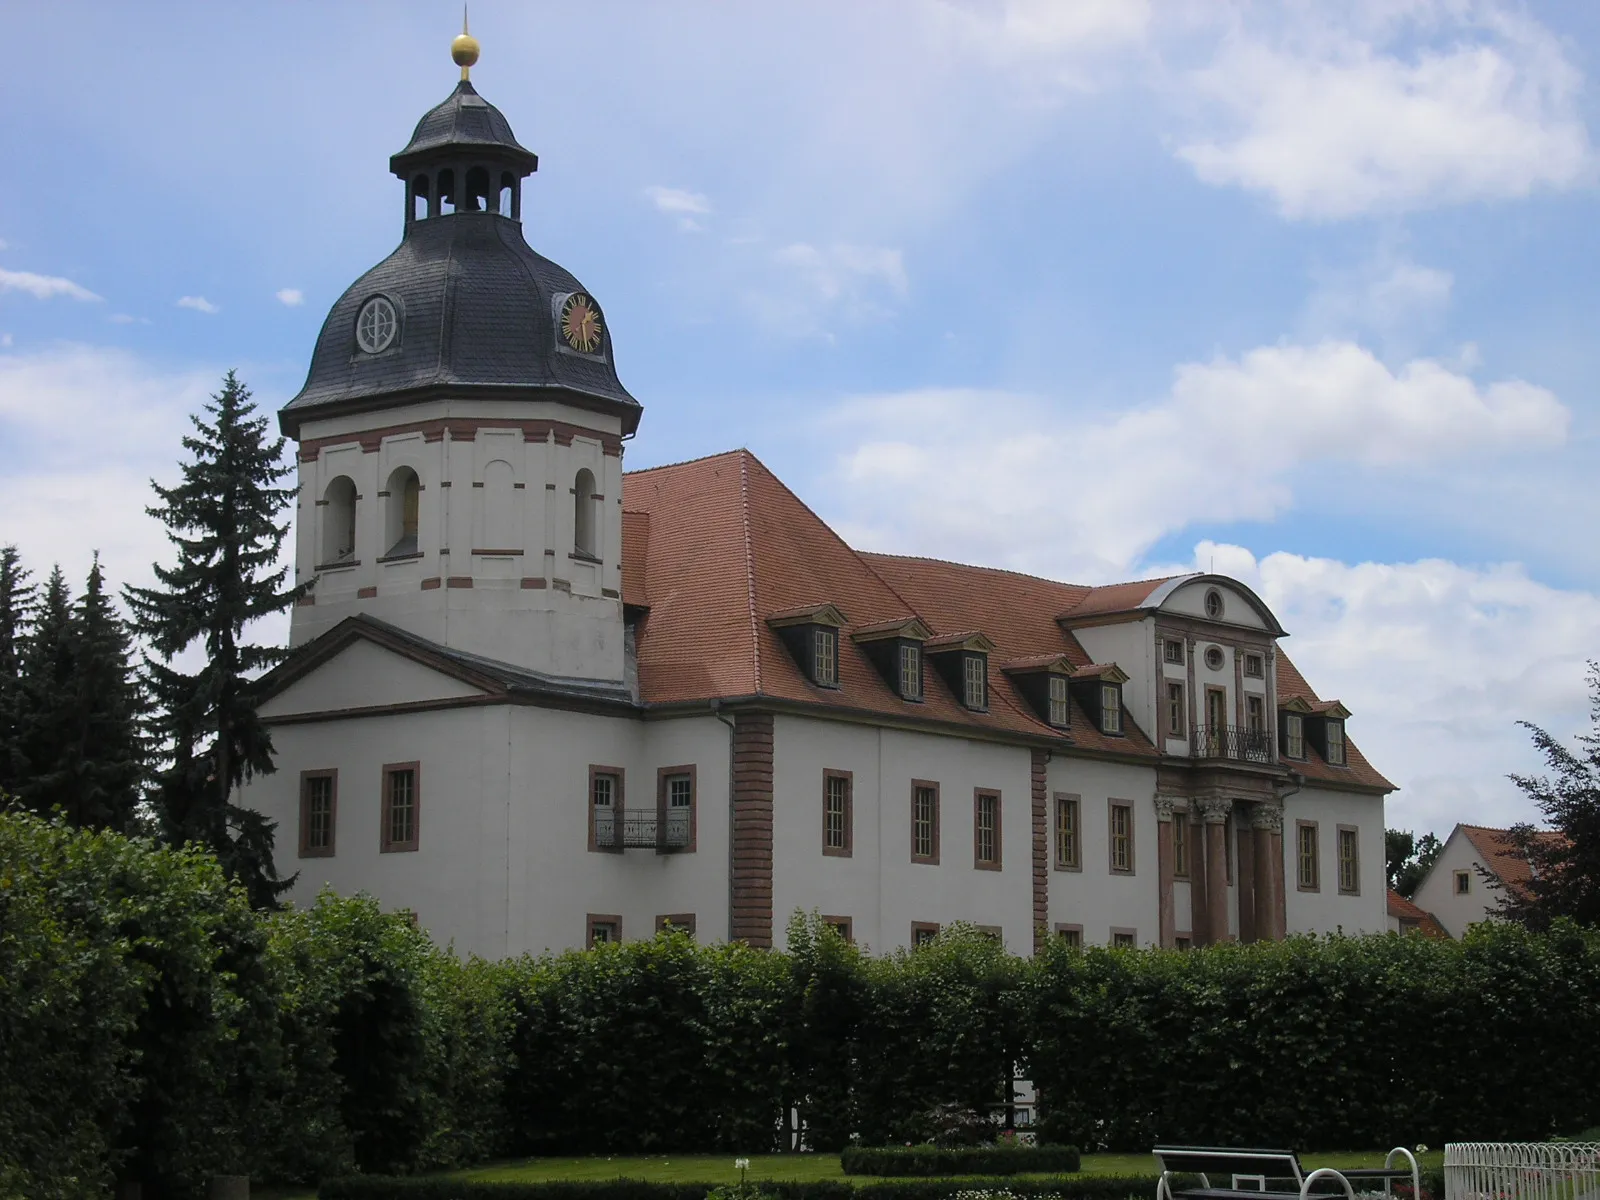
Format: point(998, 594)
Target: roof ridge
point(950, 562)
point(689, 462)
point(749, 568)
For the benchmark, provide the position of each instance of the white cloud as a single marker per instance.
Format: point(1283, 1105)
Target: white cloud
point(806, 286)
point(1223, 444)
point(127, 319)
point(5, 340)
point(43, 287)
point(290, 297)
point(198, 303)
point(1330, 124)
point(686, 206)
point(1438, 661)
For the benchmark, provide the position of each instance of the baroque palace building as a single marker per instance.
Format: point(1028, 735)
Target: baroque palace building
point(541, 702)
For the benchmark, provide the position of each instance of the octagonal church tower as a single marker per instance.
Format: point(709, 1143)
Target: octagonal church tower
point(460, 429)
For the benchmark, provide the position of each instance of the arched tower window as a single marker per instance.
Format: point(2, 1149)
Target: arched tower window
point(447, 193)
point(499, 520)
point(420, 194)
point(584, 539)
point(400, 512)
point(477, 190)
point(339, 521)
point(508, 195)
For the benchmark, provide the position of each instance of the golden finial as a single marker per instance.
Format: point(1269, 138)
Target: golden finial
point(464, 50)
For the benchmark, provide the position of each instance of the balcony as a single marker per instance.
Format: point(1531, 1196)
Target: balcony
point(642, 829)
point(1233, 742)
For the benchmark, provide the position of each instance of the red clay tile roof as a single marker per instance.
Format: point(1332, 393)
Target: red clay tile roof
point(1501, 856)
point(1114, 597)
point(718, 545)
point(1357, 770)
point(1403, 910)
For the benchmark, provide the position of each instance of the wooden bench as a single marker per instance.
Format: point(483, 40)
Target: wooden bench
point(1257, 1167)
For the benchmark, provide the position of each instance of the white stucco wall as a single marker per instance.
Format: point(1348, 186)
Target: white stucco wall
point(1437, 891)
point(1190, 601)
point(1093, 896)
point(1131, 645)
point(1327, 910)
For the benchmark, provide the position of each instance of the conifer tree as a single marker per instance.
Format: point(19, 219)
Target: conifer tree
point(223, 521)
point(107, 757)
point(46, 736)
point(16, 608)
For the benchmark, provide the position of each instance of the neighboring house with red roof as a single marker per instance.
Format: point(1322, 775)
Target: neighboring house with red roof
point(1406, 917)
point(1455, 891)
point(541, 702)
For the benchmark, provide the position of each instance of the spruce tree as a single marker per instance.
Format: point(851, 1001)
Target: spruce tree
point(16, 609)
point(223, 521)
point(107, 755)
point(46, 738)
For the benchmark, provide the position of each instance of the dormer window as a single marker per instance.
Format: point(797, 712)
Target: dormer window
point(811, 635)
point(1335, 736)
point(825, 658)
point(1111, 708)
point(1294, 735)
point(1060, 709)
point(895, 648)
point(963, 660)
point(910, 671)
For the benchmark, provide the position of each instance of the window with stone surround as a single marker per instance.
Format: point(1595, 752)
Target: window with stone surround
point(1176, 725)
point(1307, 877)
point(837, 815)
point(1069, 833)
point(1180, 845)
point(1349, 860)
point(1121, 826)
point(924, 821)
point(986, 830)
point(603, 929)
point(675, 809)
point(319, 794)
point(605, 808)
point(402, 807)
point(923, 933)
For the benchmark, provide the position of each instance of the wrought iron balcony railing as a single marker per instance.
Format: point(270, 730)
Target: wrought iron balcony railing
point(1233, 742)
point(642, 829)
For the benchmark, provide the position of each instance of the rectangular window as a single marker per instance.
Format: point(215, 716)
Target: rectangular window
point(1121, 838)
point(1110, 708)
point(1306, 856)
point(1180, 845)
point(910, 672)
point(1172, 651)
point(1349, 861)
point(1254, 666)
point(825, 660)
point(1181, 941)
point(924, 821)
point(837, 834)
point(675, 923)
point(1463, 883)
point(1124, 938)
point(986, 830)
point(1255, 715)
point(1336, 743)
point(1060, 711)
point(675, 809)
point(1294, 741)
point(1072, 935)
point(401, 807)
point(1175, 711)
point(604, 929)
point(843, 926)
point(923, 932)
point(319, 793)
point(1069, 833)
point(605, 808)
point(977, 681)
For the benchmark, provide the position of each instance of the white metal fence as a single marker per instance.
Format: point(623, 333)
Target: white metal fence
point(1522, 1171)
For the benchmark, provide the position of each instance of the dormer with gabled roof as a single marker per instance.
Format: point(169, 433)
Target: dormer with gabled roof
point(811, 632)
point(896, 649)
point(962, 660)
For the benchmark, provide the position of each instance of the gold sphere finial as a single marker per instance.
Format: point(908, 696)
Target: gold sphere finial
point(464, 50)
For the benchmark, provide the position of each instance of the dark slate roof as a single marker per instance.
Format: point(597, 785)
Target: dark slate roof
point(476, 309)
point(465, 119)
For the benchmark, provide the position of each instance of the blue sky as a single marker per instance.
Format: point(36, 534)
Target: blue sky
point(1088, 288)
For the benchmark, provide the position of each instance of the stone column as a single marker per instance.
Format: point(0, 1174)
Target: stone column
point(1199, 926)
point(1266, 824)
point(1164, 868)
point(1214, 810)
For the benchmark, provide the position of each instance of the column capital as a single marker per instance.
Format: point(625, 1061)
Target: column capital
point(1215, 809)
point(1165, 806)
point(1268, 815)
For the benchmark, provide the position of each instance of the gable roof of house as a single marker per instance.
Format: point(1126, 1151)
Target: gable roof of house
point(716, 546)
point(1404, 910)
point(1501, 856)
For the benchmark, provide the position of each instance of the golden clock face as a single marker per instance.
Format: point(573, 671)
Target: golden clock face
point(580, 324)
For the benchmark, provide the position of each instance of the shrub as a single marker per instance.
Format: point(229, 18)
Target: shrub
point(965, 1160)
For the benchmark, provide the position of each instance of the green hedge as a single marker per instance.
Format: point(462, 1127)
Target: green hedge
point(1081, 1187)
point(964, 1160)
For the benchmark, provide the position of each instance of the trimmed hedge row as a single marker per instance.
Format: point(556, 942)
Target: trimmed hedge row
point(1077, 1187)
point(961, 1160)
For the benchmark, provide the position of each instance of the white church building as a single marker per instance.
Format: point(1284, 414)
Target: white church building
point(542, 702)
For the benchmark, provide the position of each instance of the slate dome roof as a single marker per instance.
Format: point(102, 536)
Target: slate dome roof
point(476, 308)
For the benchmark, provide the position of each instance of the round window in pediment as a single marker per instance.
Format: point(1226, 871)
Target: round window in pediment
point(1214, 657)
point(1214, 604)
point(376, 325)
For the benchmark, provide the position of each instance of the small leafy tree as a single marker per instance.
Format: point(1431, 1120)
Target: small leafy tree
point(1408, 857)
point(223, 520)
point(1565, 860)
